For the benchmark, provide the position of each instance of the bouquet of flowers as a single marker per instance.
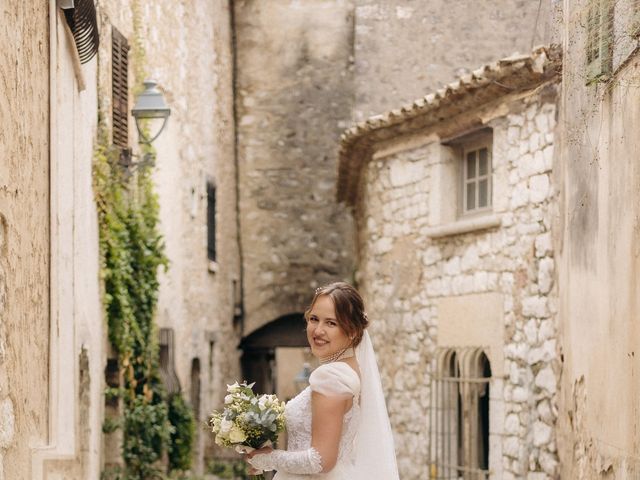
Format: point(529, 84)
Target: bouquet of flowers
point(248, 421)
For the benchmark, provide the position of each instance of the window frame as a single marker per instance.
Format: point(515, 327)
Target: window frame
point(600, 65)
point(475, 141)
point(476, 148)
point(212, 220)
point(635, 20)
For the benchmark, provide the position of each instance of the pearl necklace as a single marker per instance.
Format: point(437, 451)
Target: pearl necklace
point(334, 357)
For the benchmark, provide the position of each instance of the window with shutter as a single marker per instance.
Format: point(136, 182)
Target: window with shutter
point(599, 38)
point(120, 88)
point(211, 221)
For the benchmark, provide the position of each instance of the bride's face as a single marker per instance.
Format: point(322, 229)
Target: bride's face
point(324, 334)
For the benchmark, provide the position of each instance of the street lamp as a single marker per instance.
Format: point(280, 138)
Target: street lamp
point(149, 105)
point(301, 380)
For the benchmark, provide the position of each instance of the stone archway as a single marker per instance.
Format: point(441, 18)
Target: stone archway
point(259, 349)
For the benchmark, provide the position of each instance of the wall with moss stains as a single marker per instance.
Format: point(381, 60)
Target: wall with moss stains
point(598, 242)
point(186, 48)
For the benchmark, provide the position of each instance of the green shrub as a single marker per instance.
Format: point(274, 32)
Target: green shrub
point(184, 429)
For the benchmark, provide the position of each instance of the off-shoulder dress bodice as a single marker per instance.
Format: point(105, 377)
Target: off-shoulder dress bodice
point(332, 379)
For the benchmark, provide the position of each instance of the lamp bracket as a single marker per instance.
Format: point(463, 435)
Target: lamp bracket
point(130, 164)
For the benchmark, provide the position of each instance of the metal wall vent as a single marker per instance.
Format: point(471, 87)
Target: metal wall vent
point(84, 26)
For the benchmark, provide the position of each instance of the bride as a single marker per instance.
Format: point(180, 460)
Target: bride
point(338, 427)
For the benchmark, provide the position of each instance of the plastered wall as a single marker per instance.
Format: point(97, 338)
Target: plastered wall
point(599, 250)
point(24, 233)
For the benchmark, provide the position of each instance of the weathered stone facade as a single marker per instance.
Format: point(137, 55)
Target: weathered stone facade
point(435, 279)
point(339, 60)
point(199, 297)
point(403, 48)
point(291, 109)
point(188, 51)
point(598, 238)
point(53, 346)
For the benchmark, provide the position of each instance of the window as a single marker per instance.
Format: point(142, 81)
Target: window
point(211, 222)
point(635, 19)
point(459, 415)
point(195, 387)
point(120, 88)
point(473, 153)
point(167, 361)
point(599, 38)
point(476, 178)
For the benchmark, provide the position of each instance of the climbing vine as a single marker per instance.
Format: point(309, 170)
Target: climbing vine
point(131, 251)
point(131, 254)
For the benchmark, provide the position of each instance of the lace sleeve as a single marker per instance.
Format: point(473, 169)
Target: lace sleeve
point(303, 462)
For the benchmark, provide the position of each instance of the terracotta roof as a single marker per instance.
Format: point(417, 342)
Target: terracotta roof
point(517, 73)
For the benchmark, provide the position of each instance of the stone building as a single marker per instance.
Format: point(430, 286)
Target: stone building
point(453, 198)
point(53, 335)
point(337, 61)
point(200, 296)
point(523, 271)
point(598, 241)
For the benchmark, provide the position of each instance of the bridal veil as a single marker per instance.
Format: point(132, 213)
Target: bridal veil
point(375, 452)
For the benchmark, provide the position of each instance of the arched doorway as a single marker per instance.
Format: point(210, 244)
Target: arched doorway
point(259, 349)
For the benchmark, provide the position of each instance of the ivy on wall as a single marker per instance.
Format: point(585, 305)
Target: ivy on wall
point(131, 252)
point(154, 426)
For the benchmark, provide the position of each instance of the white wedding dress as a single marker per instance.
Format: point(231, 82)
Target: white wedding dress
point(366, 449)
point(336, 378)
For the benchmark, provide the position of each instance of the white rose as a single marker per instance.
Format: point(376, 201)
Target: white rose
point(228, 399)
point(225, 426)
point(236, 435)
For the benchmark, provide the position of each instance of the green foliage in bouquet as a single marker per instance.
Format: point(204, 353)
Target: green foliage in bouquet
point(247, 420)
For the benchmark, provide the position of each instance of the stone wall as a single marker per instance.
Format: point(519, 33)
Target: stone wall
point(24, 234)
point(599, 258)
point(426, 291)
point(187, 50)
point(305, 70)
point(406, 48)
point(294, 97)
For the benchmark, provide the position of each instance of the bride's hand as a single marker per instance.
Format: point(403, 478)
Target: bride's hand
point(259, 451)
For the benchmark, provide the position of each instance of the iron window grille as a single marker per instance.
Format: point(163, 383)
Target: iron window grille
point(120, 88)
point(459, 415)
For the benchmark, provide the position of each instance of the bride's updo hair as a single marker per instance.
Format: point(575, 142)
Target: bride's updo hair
point(349, 308)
